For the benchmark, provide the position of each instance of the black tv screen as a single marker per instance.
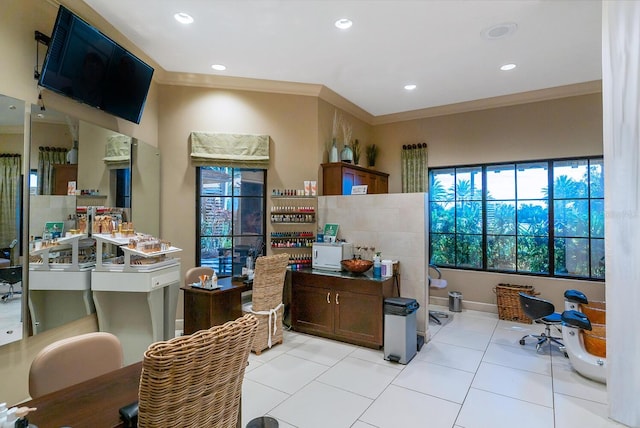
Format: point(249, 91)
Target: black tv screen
point(84, 64)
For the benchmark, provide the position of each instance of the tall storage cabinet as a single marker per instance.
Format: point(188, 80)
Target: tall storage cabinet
point(338, 178)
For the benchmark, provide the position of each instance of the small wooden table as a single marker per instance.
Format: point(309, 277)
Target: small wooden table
point(205, 308)
point(92, 404)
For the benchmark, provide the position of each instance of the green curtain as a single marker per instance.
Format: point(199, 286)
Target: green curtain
point(47, 157)
point(10, 168)
point(415, 177)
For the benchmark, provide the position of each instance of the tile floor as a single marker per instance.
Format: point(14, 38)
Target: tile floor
point(472, 374)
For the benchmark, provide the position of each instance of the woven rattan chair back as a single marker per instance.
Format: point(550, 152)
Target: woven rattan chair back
point(266, 302)
point(268, 281)
point(196, 380)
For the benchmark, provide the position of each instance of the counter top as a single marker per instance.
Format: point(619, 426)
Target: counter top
point(343, 274)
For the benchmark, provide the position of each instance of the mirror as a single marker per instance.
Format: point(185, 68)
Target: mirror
point(113, 172)
point(12, 153)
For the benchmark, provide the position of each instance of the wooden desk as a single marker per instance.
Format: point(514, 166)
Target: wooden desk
point(205, 308)
point(91, 404)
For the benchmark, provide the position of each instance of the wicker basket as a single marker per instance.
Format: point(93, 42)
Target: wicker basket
point(509, 302)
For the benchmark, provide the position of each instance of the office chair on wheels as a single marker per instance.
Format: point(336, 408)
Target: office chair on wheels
point(541, 312)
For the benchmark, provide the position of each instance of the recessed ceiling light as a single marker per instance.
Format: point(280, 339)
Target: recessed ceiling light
point(507, 67)
point(218, 67)
point(183, 18)
point(343, 23)
point(499, 31)
point(410, 87)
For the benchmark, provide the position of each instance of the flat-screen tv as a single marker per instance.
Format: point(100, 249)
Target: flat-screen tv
point(84, 64)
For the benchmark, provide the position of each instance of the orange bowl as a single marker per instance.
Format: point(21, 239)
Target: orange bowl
point(356, 265)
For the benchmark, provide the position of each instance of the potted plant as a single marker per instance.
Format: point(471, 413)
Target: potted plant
point(356, 152)
point(372, 154)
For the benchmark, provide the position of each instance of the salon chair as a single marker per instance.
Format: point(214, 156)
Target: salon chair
point(541, 312)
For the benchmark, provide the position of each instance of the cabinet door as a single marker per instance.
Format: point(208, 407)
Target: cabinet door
point(352, 177)
point(348, 180)
point(312, 309)
point(359, 317)
point(373, 184)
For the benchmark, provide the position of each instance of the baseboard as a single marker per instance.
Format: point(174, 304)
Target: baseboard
point(179, 327)
point(474, 306)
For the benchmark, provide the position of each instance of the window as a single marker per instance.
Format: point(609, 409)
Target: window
point(230, 212)
point(543, 218)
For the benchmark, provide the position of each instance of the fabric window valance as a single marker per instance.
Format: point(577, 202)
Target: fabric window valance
point(234, 150)
point(117, 151)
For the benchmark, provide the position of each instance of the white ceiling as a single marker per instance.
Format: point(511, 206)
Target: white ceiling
point(436, 45)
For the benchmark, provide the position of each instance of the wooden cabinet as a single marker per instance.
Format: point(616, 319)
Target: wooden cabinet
point(62, 175)
point(339, 177)
point(342, 307)
point(205, 308)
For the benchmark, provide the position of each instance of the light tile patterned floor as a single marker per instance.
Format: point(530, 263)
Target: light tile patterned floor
point(473, 374)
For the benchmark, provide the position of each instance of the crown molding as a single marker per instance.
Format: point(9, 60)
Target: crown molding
point(328, 95)
point(262, 85)
point(546, 94)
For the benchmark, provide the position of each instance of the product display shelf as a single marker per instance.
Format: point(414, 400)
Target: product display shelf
point(60, 292)
point(137, 303)
point(108, 264)
point(292, 240)
point(294, 237)
point(66, 243)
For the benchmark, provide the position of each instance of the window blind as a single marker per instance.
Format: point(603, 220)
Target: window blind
point(230, 150)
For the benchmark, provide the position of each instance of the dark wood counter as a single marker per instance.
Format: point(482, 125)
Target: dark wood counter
point(205, 308)
point(340, 306)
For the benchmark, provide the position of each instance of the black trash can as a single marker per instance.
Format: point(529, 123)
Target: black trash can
point(400, 337)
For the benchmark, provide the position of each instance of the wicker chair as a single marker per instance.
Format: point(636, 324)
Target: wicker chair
point(266, 302)
point(196, 380)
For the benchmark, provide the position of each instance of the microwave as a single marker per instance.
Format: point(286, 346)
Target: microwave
point(327, 256)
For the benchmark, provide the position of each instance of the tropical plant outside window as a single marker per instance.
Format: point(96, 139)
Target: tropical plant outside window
point(541, 217)
point(230, 212)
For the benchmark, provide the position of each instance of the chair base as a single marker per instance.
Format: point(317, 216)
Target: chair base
point(263, 422)
point(544, 338)
point(436, 315)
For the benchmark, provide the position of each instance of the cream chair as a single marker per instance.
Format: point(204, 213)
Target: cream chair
point(196, 380)
point(73, 360)
point(266, 302)
point(193, 274)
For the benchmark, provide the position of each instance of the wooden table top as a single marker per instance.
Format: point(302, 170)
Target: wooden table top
point(226, 284)
point(91, 404)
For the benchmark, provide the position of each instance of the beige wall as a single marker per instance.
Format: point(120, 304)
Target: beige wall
point(18, 21)
point(290, 121)
point(567, 127)
point(559, 128)
point(299, 126)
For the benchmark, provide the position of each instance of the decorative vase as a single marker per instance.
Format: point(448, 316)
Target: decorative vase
point(333, 152)
point(347, 154)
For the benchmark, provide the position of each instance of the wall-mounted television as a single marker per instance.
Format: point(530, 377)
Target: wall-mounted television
point(84, 64)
